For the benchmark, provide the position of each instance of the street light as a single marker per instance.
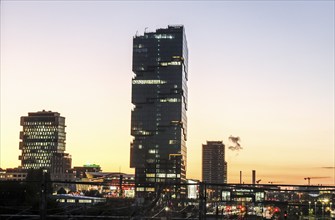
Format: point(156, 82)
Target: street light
point(330, 209)
point(315, 209)
point(323, 210)
point(309, 209)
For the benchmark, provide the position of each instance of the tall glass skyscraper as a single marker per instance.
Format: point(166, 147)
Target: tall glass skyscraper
point(159, 96)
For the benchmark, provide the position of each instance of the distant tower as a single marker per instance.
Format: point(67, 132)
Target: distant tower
point(43, 142)
point(159, 96)
point(214, 166)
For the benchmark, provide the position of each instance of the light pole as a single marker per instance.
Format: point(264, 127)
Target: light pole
point(330, 209)
point(323, 210)
point(315, 209)
point(309, 209)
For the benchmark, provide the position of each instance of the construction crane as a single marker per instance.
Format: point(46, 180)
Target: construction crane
point(318, 177)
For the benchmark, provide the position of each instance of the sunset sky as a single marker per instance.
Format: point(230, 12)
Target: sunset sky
point(260, 70)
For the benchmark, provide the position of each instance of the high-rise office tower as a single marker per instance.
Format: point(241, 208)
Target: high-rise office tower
point(214, 166)
point(159, 96)
point(43, 141)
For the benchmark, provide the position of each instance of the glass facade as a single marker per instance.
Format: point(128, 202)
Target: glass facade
point(42, 136)
point(159, 96)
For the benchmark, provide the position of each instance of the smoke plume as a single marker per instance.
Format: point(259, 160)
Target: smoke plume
point(235, 145)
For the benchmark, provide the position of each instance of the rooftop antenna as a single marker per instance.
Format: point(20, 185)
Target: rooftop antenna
point(240, 177)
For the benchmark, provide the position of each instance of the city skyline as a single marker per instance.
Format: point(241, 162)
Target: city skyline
point(263, 71)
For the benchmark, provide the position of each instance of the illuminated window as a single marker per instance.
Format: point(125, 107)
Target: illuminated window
point(171, 175)
point(175, 63)
point(150, 189)
point(149, 81)
point(173, 141)
point(170, 100)
point(164, 36)
point(84, 201)
point(144, 132)
point(172, 63)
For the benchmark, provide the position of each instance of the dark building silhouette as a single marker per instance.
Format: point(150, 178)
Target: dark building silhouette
point(214, 166)
point(43, 142)
point(159, 96)
point(13, 174)
point(60, 162)
point(61, 167)
point(81, 171)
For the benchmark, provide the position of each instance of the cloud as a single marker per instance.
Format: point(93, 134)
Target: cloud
point(328, 167)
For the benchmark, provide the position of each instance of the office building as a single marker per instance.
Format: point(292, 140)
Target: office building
point(60, 162)
point(214, 166)
point(43, 142)
point(158, 118)
point(17, 174)
point(61, 167)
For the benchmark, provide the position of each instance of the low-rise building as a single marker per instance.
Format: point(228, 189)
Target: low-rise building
point(113, 184)
point(17, 174)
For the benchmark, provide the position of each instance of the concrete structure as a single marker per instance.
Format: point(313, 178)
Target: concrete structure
point(17, 174)
point(214, 166)
point(61, 167)
point(42, 135)
point(43, 145)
